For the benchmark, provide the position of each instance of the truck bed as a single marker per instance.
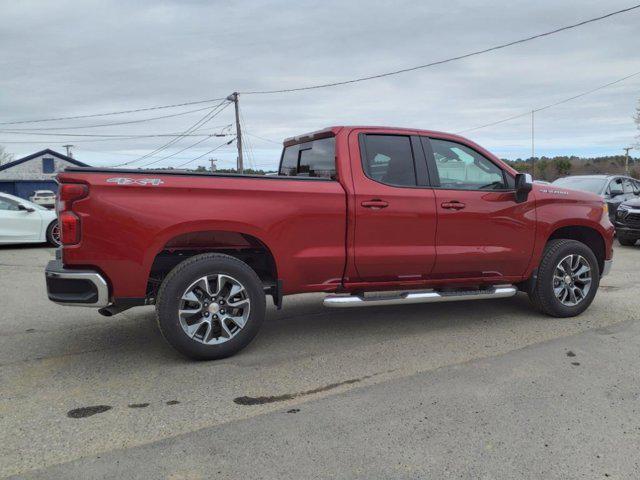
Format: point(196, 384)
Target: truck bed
point(130, 217)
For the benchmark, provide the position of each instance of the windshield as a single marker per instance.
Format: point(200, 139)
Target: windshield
point(593, 185)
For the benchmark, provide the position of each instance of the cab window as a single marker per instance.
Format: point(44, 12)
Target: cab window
point(462, 168)
point(388, 159)
point(310, 159)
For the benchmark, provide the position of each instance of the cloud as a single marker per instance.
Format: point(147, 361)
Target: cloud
point(68, 57)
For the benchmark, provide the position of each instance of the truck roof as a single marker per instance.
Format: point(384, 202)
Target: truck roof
point(333, 130)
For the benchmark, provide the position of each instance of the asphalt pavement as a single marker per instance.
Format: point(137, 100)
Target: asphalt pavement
point(487, 389)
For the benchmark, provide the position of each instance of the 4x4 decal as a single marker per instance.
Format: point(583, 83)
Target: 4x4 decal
point(133, 181)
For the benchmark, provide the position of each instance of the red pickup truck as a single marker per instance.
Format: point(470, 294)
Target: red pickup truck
point(369, 215)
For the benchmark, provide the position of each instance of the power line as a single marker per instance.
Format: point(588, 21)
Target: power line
point(250, 156)
point(110, 124)
point(184, 149)
point(173, 154)
point(146, 109)
point(262, 138)
point(440, 62)
point(118, 135)
point(560, 102)
point(206, 153)
point(209, 116)
point(92, 140)
point(124, 154)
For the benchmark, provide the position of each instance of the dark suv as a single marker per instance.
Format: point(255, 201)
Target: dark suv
point(627, 222)
point(614, 189)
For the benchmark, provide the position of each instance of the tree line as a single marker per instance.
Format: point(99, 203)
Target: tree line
point(550, 168)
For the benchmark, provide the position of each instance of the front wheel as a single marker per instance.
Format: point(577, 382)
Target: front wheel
point(568, 279)
point(210, 306)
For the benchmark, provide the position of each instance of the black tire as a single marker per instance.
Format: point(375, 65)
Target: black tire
point(542, 294)
point(53, 234)
point(627, 241)
point(181, 277)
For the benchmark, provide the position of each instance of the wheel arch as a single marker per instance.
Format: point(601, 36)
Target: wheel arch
point(590, 236)
point(242, 245)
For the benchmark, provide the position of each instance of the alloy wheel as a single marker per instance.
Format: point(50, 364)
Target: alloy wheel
point(214, 309)
point(572, 280)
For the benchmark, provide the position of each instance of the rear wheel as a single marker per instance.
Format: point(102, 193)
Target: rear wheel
point(568, 279)
point(53, 233)
point(627, 241)
point(210, 306)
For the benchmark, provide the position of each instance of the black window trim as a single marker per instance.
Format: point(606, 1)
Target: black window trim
point(419, 161)
point(433, 169)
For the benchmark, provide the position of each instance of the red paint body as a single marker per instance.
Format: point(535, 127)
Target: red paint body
point(320, 236)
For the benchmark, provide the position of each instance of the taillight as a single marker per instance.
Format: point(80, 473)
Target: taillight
point(69, 221)
point(69, 228)
point(70, 192)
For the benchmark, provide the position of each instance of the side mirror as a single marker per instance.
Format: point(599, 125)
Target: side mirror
point(25, 209)
point(524, 184)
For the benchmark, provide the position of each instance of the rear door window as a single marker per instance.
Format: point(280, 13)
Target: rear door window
point(310, 159)
point(389, 159)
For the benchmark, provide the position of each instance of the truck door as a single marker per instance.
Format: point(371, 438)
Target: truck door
point(395, 214)
point(482, 231)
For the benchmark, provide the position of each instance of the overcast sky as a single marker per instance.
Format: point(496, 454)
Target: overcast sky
point(72, 58)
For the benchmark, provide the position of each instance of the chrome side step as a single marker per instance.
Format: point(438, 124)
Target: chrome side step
point(427, 296)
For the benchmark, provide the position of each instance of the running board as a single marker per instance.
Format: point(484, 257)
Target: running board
point(428, 296)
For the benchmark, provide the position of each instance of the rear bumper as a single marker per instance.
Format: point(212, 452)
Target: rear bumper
point(82, 288)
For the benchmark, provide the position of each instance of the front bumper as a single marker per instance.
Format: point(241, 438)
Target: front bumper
point(82, 288)
point(633, 231)
point(607, 267)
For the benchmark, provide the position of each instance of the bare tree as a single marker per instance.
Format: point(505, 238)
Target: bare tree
point(5, 156)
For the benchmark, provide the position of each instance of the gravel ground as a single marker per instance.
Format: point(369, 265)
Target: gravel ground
point(93, 397)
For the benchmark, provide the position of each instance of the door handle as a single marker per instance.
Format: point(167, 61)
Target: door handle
point(453, 205)
point(375, 204)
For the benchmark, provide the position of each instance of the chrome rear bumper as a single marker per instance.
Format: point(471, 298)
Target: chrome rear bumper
point(80, 288)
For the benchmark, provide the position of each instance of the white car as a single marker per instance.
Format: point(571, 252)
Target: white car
point(46, 198)
point(22, 221)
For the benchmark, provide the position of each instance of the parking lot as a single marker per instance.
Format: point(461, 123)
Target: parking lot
point(487, 389)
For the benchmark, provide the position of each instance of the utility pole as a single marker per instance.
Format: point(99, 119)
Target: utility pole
point(234, 98)
point(69, 152)
point(533, 150)
point(626, 159)
point(213, 164)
